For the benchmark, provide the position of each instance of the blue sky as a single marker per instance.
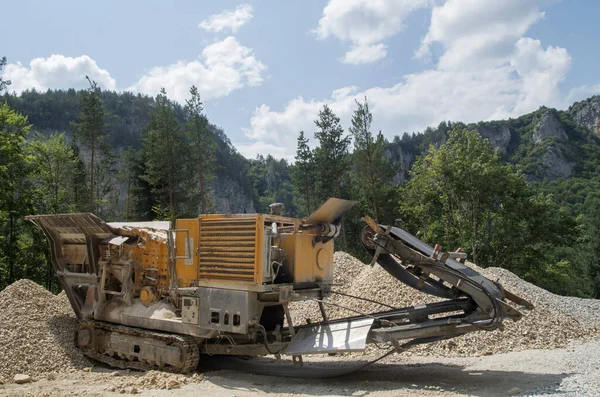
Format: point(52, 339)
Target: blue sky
point(265, 68)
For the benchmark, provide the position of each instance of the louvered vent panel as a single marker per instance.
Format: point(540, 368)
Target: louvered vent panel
point(227, 249)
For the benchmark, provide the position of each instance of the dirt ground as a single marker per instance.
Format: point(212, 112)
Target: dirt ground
point(573, 371)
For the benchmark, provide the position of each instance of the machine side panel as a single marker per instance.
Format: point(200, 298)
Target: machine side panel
point(313, 262)
point(186, 251)
point(229, 247)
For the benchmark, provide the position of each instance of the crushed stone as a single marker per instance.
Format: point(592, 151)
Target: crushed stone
point(550, 325)
point(36, 332)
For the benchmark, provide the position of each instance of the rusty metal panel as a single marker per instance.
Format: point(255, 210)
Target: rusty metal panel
point(228, 247)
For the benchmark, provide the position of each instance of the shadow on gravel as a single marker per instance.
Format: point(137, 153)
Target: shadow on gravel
point(392, 379)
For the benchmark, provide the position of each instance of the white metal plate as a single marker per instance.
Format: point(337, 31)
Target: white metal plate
point(347, 336)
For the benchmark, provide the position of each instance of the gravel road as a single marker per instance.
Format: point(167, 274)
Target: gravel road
point(571, 371)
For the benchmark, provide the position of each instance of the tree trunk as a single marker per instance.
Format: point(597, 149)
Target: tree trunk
point(343, 231)
point(202, 192)
point(128, 197)
point(11, 247)
point(91, 205)
point(374, 196)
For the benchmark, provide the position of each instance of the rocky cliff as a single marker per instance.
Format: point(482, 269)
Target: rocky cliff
point(587, 114)
point(547, 144)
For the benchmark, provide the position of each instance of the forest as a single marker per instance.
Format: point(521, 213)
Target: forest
point(126, 156)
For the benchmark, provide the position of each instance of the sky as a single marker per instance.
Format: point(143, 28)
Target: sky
point(265, 68)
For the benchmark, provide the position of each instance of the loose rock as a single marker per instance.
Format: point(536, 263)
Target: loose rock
point(549, 325)
point(36, 332)
point(22, 378)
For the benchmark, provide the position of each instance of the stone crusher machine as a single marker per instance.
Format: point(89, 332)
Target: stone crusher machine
point(149, 296)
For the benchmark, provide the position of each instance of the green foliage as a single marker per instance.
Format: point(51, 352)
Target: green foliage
point(462, 195)
point(16, 191)
point(331, 156)
point(91, 133)
point(304, 174)
point(3, 83)
point(373, 170)
point(202, 150)
point(273, 183)
point(164, 149)
point(54, 172)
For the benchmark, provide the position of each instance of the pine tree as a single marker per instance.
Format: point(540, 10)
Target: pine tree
point(79, 181)
point(127, 175)
point(332, 154)
point(331, 157)
point(373, 170)
point(303, 173)
point(203, 148)
point(3, 83)
point(90, 130)
point(165, 156)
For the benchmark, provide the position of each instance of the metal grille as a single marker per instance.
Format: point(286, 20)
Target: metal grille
point(228, 249)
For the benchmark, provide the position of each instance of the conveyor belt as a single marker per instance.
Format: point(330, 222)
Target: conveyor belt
point(416, 265)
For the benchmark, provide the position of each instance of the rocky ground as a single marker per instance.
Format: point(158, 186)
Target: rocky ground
point(571, 371)
point(553, 350)
point(555, 321)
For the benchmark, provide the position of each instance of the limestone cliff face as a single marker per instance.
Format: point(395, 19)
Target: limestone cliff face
point(587, 114)
point(498, 134)
point(549, 126)
point(555, 165)
point(229, 197)
point(403, 159)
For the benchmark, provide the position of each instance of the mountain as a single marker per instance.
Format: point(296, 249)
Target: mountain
point(547, 144)
point(127, 116)
point(559, 150)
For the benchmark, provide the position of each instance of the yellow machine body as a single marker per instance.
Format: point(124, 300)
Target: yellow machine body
point(200, 276)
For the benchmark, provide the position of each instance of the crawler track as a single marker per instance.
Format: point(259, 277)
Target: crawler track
point(124, 355)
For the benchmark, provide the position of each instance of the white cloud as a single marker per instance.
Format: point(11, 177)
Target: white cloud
point(580, 93)
point(365, 23)
point(541, 71)
point(57, 72)
point(498, 74)
point(222, 67)
point(365, 54)
point(230, 20)
point(478, 33)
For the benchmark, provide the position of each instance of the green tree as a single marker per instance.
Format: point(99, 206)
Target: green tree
point(165, 157)
point(331, 158)
point(15, 189)
point(54, 170)
point(462, 195)
point(90, 130)
point(203, 148)
point(127, 175)
point(373, 170)
point(79, 181)
point(304, 174)
point(3, 83)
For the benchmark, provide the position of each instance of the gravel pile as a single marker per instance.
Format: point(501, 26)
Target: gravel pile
point(36, 332)
point(584, 311)
point(545, 327)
